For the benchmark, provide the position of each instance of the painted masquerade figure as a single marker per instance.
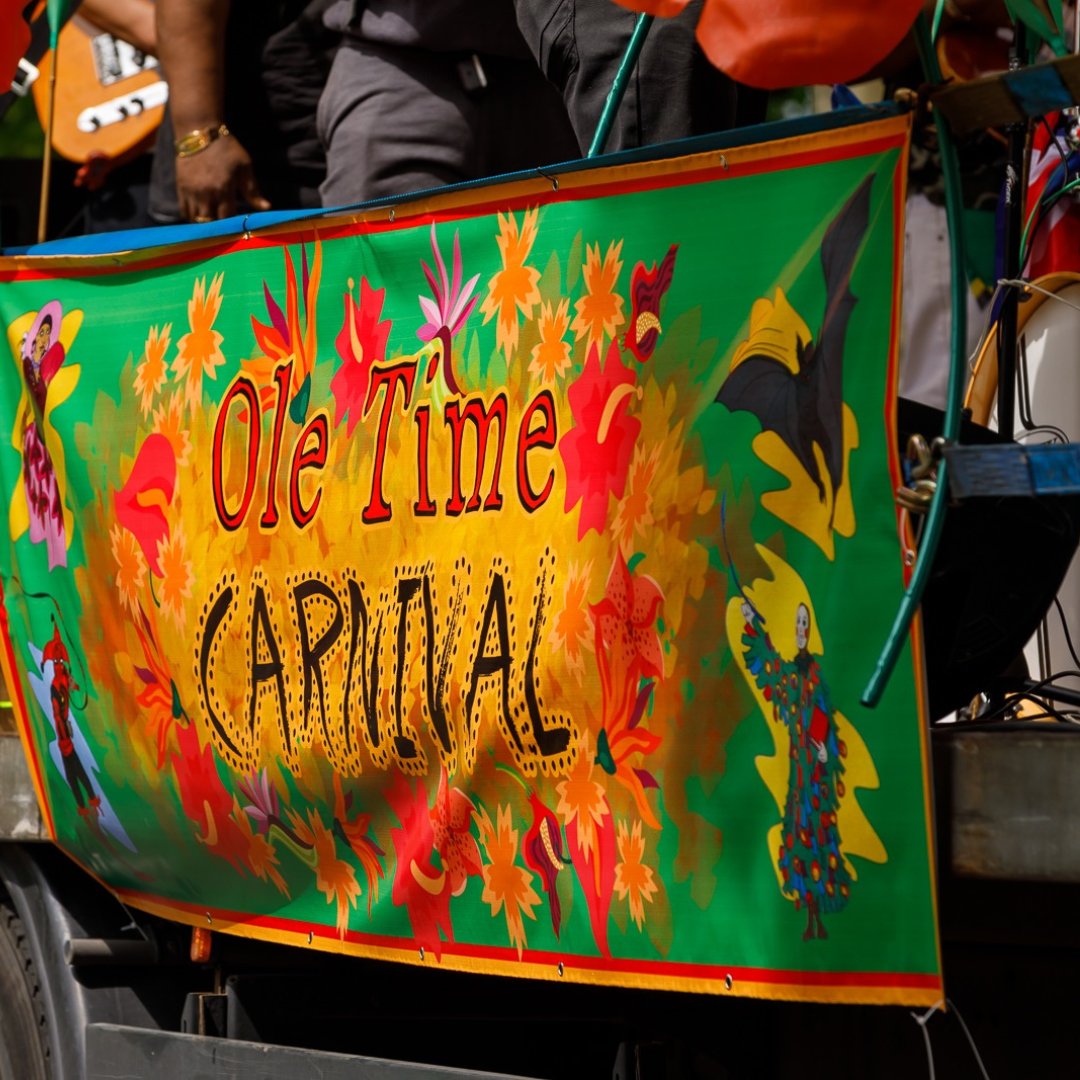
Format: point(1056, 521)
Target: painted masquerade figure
point(809, 857)
point(42, 355)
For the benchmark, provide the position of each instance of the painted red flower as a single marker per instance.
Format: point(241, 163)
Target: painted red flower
point(361, 343)
point(628, 650)
point(206, 802)
point(625, 622)
point(596, 451)
point(150, 484)
point(451, 820)
point(543, 852)
point(420, 886)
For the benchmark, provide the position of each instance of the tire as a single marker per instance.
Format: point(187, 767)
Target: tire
point(24, 1043)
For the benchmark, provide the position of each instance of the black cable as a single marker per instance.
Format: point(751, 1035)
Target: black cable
point(1065, 630)
point(1058, 435)
point(1029, 693)
point(1057, 145)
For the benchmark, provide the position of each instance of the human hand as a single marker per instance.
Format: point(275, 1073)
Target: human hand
point(748, 613)
point(822, 753)
point(213, 182)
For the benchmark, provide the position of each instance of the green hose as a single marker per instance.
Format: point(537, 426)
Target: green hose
point(935, 518)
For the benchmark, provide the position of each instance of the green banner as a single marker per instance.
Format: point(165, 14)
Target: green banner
point(489, 582)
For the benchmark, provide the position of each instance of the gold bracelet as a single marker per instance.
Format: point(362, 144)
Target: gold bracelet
point(194, 142)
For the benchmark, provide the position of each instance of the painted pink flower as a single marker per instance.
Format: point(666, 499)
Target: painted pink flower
point(361, 342)
point(447, 309)
point(597, 450)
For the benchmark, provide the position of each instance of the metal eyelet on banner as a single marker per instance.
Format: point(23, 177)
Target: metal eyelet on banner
point(553, 180)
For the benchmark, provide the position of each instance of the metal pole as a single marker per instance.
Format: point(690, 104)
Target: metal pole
point(618, 87)
point(46, 165)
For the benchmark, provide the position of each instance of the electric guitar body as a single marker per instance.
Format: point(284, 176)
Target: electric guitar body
point(110, 97)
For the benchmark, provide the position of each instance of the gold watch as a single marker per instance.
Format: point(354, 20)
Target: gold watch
point(196, 141)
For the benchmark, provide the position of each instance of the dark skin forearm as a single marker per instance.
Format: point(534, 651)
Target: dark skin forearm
point(214, 182)
point(129, 20)
point(192, 52)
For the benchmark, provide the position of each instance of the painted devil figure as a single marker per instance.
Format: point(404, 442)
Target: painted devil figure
point(809, 858)
point(60, 697)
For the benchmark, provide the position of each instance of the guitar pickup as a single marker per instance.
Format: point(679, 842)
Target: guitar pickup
point(95, 117)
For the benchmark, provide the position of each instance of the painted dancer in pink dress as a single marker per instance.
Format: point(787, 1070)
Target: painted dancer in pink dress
point(42, 356)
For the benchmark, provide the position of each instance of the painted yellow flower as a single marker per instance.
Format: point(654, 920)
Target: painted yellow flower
point(583, 799)
point(198, 352)
point(514, 287)
point(506, 885)
point(169, 421)
point(600, 310)
point(130, 566)
point(551, 357)
point(572, 630)
point(152, 372)
point(633, 879)
point(176, 573)
point(634, 512)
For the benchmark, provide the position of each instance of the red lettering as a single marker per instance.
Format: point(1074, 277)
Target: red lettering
point(242, 388)
point(423, 507)
point(283, 378)
point(378, 509)
point(455, 418)
point(544, 437)
point(303, 458)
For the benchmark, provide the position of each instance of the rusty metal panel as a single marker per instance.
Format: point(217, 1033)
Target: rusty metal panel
point(20, 818)
point(1012, 805)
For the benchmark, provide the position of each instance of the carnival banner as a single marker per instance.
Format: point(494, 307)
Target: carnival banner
point(489, 581)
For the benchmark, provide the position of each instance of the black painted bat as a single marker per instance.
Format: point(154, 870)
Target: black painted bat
point(806, 407)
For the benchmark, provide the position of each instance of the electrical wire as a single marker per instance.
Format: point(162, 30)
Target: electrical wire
point(971, 1041)
point(1056, 140)
point(1065, 631)
point(1043, 204)
point(1029, 693)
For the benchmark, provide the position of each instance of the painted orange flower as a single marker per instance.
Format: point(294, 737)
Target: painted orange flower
point(198, 352)
point(176, 573)
point(130, 566)
point(634, 512)
point(287, 337)
point(600, 310)
point(334, 877)
point(634, 880)
point(261, 857)
point(156, 691)
point(590, 839)
point(572, 627)
point(354, 831)
point(506, 885)
point(582, 799)
point(169, 421)
point(514, 287)
point(551, 357)
point(152, 372)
